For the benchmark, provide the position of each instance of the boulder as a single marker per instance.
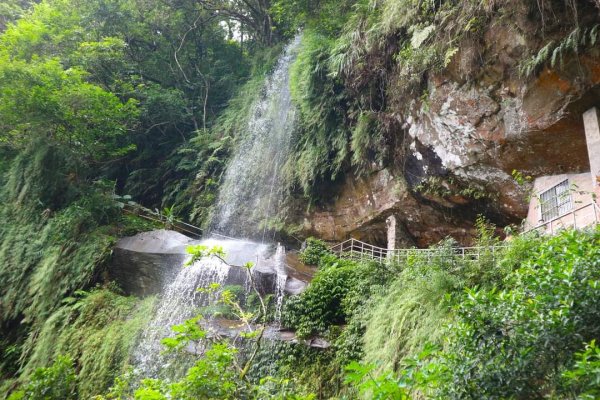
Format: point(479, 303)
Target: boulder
point(144, 263)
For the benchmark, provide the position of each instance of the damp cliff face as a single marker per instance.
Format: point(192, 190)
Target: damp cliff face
point(456, 149)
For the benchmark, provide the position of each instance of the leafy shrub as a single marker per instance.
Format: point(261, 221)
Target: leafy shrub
point(417, 377)
point(514, 342)
point(212, 377)
point(583, 379)
point(335, 294)
point(55, 382)
point(314, 250)
point(321, 304)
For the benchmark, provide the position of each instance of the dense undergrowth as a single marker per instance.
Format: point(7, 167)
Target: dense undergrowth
point(98, 329)
point(519, 322)
point(516, 326)
point(57, 234)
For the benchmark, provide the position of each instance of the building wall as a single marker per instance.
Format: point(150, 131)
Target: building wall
point(592, 138)
point(581, 187)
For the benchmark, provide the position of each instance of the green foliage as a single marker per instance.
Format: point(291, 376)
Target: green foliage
point(510, 336)
point(56, 232)
point(200, 251)
point(184, 334)
point(127, 81)
point(202, 161)
point(450, 186)
point(327, 16)
point(366, 142)
point(43, 99)
point(11, 10)
point(98, 329)
point(583, 379)
point(335, 294)
point(379, 387)
point(416, 307)
point(417, 377)
point(321, 146)
point(313, 252)
point(554, 53)
point(413, 310)
point(292, 369)
point(212, 377)
point(215, 375)
point(513, 342)
point(320, 306)
point(55, 382)
point(133, 224)
point(59, 231)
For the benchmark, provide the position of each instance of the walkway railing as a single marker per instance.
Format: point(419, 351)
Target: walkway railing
point(173, 224)
point(581, 217)
point(356, 249)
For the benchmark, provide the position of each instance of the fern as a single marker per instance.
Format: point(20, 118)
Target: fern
point(98, 330)
point(554, 52)
point(366, 142)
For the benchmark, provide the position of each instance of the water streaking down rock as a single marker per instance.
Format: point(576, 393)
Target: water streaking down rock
point(144, 263)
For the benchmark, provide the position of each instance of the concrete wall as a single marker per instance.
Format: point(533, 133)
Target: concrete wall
point(592, 138)
point(581, 187)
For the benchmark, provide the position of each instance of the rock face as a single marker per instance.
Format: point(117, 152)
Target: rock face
point(459, 147)
point(144, 263)
point(220, 327)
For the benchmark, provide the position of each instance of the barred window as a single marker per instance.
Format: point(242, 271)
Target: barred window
point(556, 201)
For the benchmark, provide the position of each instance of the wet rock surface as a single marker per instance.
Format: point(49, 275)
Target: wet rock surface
point(220, 327)
point(144, 263)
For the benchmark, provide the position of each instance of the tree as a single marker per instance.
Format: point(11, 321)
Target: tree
point(43, 99)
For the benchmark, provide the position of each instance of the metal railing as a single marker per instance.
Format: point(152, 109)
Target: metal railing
point(176, 225)
point(356, 249)
point(569, 219)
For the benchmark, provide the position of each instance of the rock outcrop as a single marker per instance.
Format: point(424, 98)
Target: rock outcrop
point(457, 150)
point(144, 263)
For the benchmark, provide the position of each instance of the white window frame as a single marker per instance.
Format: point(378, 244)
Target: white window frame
point(562, 208)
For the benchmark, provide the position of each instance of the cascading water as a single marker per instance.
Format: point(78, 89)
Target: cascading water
point(179, 302)
point(250, 192)
point(280, 282)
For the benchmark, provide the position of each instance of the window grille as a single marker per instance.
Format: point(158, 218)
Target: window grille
point(556, 201)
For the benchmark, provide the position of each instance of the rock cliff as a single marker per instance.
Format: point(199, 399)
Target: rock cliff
point(455, 152)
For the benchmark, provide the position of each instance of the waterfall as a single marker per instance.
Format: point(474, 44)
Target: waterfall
point(280, 282)
point(249, 195)
point(179, 302)
point(251, 192)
